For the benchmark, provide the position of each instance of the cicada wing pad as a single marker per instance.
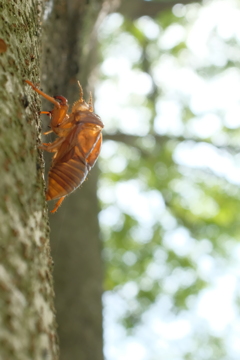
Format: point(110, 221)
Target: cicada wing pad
point(92, 158)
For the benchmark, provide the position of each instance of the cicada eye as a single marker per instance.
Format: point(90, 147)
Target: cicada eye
point(62, 100)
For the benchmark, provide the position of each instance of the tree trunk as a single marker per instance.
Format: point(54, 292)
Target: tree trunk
point(134, 9)
point(27, 319)
point(70, 55)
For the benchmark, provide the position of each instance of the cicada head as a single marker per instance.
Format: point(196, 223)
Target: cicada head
point(81, 105)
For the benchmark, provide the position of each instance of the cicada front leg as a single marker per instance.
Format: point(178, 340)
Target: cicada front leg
point(52, 147)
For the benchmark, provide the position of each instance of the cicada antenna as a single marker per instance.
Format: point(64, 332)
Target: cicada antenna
point(81, 91)
point(90, 102)
point(79, 102)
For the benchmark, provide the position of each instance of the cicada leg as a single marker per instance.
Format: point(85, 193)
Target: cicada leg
point(52, 147)
point(47, 132)
point(46, 113)
point(49, 98)
point(57, 205)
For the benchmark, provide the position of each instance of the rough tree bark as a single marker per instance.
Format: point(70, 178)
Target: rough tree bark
point(27, 320)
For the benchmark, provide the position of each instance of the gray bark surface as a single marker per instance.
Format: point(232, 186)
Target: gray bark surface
point(27, 315)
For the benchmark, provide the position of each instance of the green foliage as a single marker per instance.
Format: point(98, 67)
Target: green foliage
point(195, 200)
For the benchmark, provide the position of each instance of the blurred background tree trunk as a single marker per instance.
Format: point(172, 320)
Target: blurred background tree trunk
point(27, 315)
point(70, 29)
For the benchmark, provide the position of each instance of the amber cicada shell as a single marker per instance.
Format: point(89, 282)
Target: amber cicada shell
point(77, 147)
